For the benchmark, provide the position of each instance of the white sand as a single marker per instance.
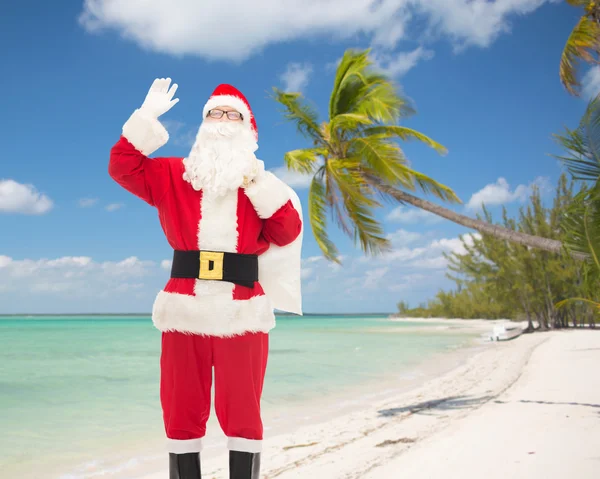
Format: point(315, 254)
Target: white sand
point(527, 408)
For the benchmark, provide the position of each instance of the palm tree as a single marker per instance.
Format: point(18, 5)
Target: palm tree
point(356, 161)
point(582, 224)
point(583, 44)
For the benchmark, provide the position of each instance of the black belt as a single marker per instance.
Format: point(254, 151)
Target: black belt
point(236, 268)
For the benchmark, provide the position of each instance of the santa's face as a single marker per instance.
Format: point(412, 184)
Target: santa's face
point(223, 113)
point(222, 156)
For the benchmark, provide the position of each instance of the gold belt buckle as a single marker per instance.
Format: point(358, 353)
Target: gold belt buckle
point(208, 270)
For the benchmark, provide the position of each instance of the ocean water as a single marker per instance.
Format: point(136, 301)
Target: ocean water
point(79, 395)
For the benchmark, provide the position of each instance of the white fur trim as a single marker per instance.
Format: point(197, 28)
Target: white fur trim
point(233, 102)
point(279, 269)
point(147, 134)
point(184, 446)
point(244, 445)
point(217, 229)
point(212, 315)
point(268, 194)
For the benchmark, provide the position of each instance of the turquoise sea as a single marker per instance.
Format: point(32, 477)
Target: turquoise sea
point(79, 395)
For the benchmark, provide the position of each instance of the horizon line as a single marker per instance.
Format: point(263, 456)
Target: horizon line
point(150, 314)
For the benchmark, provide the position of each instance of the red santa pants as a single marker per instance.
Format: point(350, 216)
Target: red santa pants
point(187, 362)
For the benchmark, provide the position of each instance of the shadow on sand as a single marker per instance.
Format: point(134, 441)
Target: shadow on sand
point(553, 403)
point(443, 404)
point(463, 402)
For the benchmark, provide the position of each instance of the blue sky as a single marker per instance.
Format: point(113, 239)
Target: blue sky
point(483, 76)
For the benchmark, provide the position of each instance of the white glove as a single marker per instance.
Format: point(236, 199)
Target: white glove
point(159, 98)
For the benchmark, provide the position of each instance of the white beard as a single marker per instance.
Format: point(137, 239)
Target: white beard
point(221, 158)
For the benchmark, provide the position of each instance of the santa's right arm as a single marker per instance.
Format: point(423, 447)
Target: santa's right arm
point(131, 168)
point(143, 134)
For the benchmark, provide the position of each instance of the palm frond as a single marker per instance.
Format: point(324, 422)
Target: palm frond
point(382, 156)
point(430, 186)
point(359, 89)
point(582, 44)
point(405, 134)
point(578, 3)
point(387, 161)
point(317, 206)
point(334, 201)
point(581, 224)
point(380, 101)
point(584, 145)
point(302, 114)
point(358, 205)
point(352, 64)
point(564, 302)
point(305, 160)
point(349, 121)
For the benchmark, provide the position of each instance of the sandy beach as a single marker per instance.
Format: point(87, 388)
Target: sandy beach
point(524, 408)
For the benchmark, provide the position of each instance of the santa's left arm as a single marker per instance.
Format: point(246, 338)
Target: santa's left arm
point(272, 201)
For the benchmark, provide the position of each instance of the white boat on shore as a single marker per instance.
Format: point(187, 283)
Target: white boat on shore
point(504, 332)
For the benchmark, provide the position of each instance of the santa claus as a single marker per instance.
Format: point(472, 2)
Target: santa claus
point(236, 233)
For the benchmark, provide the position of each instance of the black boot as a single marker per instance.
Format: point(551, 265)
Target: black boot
point(244, 465)
point(184, 466)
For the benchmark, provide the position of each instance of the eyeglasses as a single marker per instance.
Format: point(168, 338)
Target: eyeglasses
point(232, 115)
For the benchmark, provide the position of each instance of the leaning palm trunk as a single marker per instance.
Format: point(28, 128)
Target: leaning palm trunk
point(498, 231)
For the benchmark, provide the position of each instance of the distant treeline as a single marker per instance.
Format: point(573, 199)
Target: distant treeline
point(500, 279)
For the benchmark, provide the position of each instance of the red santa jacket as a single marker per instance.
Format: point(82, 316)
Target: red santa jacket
point(245, 221)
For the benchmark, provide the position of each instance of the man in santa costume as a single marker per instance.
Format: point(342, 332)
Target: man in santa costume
point(236, 233)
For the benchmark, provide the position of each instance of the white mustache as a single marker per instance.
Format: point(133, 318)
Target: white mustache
point(222, 128)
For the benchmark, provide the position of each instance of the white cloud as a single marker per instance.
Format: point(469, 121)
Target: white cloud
point(22, 198)
point(166, 264)
point(114, 206)
point(131, 266)
point(403, 214)
point(590, 83)
point(313, 259)
point(398, 64)
point(78, 275)
point(499, 193)
point(292, 178)
point(189, 27)
point(432, 257)
point(454, 245)
point(5, 261)
point(50, 287)
point(403, 254)
point(68, 261)
point(436, 262)
point(87, 202)
point(127, 287)
point(296, 76)
point(496, 194)
point(373, 277)
point(474, 22)
point(425, 254)
point(403, 237)
point(306, 273)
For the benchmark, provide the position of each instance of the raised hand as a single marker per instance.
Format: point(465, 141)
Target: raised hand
point(159, 99)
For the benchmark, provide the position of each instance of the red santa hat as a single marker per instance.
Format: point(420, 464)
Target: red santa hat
point(227, 95)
